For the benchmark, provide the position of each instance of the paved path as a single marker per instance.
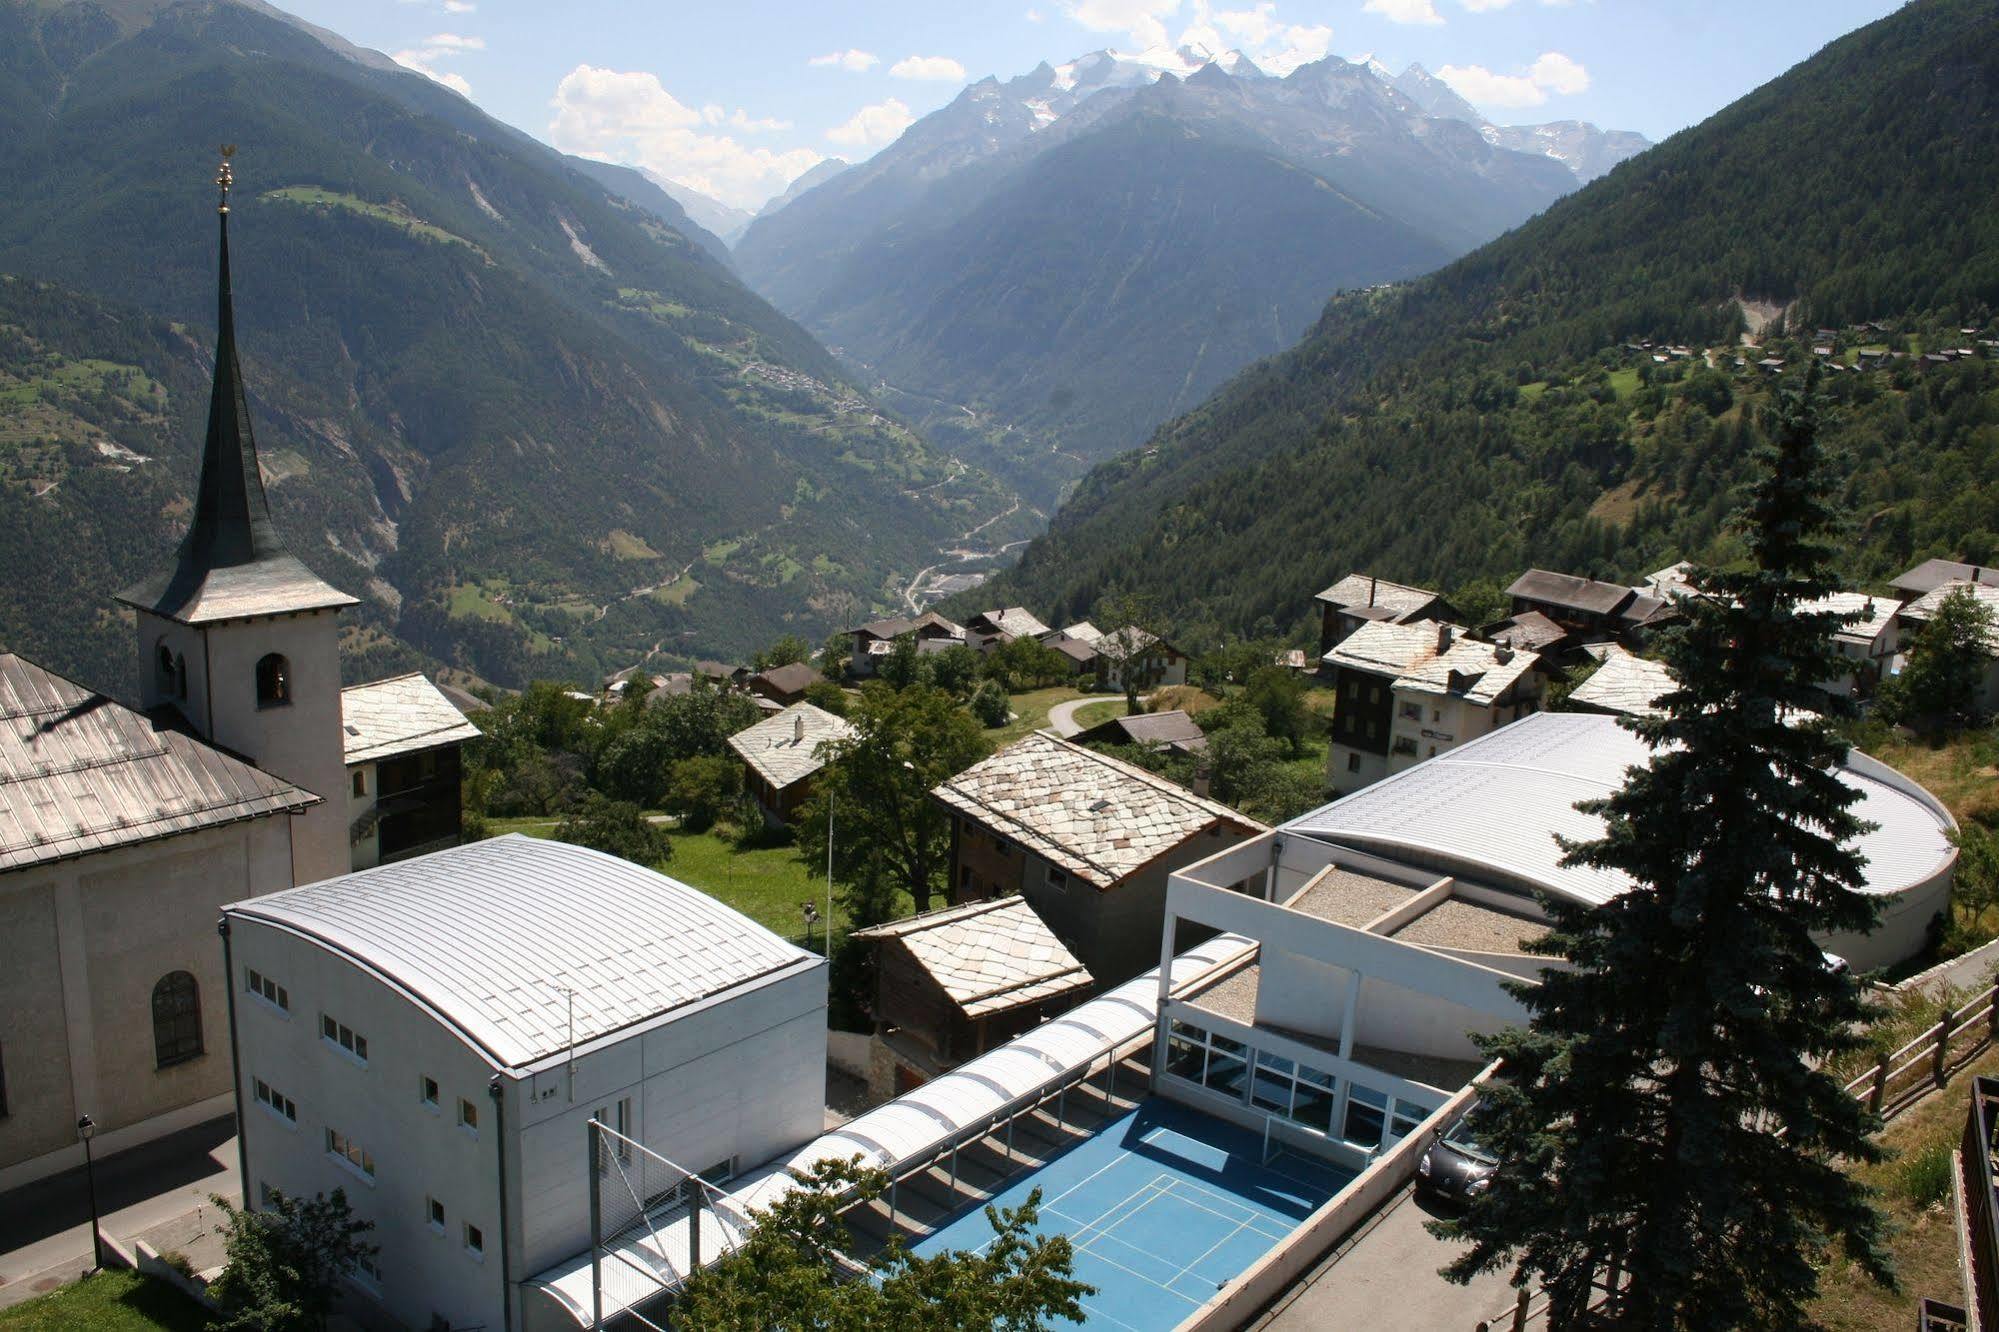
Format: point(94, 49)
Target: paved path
point(1062, 717)
point(159, 1191)
point(1388, 1278)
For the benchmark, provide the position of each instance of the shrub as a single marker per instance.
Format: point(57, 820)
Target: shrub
point(1924, 1176)
point(990, 705)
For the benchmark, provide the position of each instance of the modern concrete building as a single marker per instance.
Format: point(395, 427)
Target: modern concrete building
point(1086, 839)
point(1408, 692)
point(1490, 812)
point(120, 836)
point(403, 740)
point(433, 1036)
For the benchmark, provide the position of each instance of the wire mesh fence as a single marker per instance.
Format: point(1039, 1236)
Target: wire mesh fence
point(653, 1223)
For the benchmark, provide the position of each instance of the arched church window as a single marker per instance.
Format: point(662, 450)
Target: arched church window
point(163, 668)
point(176, 1019)
point(274, 682)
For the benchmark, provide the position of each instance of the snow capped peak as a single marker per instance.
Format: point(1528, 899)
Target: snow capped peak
point(1238, 65)
point(1375, 67)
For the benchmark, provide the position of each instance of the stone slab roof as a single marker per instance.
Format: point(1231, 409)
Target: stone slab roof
point(784, 747)
point(1175, 730)
point(81, 773)
point(1383, 647)
point(1407, 654)
point(1624, 683)
point(794, 678)
point(1087, 813)
point(1016, 621)
point(1360, 592)
point(1932, 574)
point(1560, 589)
point(1923, 607)
point(1530, 630)
point(405, 714)
point(988, 957)
point(1878, 612)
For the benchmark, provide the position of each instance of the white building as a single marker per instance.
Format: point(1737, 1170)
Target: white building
point(402, 741)
point(1918, 612)
point(1408, 692)
point(433, 1036)
point(1489, 813)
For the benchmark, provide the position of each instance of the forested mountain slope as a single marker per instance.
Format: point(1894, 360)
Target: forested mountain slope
point(1489, 416)
point(536, 426)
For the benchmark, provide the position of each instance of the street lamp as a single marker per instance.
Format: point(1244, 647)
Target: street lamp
point(811, 911)
point(86, 1127)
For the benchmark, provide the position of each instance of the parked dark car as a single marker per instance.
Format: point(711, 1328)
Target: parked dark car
point(1456, 1165)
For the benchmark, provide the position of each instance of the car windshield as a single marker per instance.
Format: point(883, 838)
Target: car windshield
point(1464, 1137)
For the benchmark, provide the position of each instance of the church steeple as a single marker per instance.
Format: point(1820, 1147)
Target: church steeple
point(232, 562)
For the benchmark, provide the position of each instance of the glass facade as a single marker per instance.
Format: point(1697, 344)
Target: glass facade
point(1273, 1084)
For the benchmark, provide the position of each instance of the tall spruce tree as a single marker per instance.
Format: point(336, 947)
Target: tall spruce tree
point(1665, 1112)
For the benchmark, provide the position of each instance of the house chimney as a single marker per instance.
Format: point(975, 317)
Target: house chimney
point(1443, 638)
point(798, 728)
point(1502, 654)
point(1371, 582)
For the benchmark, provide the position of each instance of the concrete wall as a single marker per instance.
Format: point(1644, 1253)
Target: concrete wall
point(82, 944)
point(366, 853)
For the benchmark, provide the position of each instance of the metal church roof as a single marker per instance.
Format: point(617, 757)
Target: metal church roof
point(81, 773)
point(494, 936)
point(1497, 804)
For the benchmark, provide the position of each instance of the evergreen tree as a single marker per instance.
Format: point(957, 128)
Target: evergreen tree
point(1664, 1109)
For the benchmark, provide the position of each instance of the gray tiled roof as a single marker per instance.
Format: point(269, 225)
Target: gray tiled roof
point(988, 956)
point(1173, 729)
point(1931, 574)
point(1087, 813)
point(1625, 683)
point(1396, 601)
point(1567, 590)
point(80, 773)
point(784, 747)
point(1923, 607)
point(1017, 621)
point(490, 936)
point(401, 715)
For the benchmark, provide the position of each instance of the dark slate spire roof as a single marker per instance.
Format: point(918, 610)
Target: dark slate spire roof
point(232, 563)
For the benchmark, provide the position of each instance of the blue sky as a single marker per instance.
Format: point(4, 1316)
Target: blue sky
point(736, 97)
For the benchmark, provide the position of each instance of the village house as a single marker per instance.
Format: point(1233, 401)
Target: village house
point(876, 639)
point(784, 685)
point(781, 755)
point(1408, 692)
point(989, 629)
point(1152, 662)
point(1086, 839)
point(1593, 610)
point(1360, 599)
point(1173, 730)
point(954, 983)
point(403, 738)
point(1931, 574)
point(1869, 642)
point(1917, 614)
point(1624, 684)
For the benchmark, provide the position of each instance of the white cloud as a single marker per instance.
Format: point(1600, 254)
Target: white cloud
point(742, 120)
point(459, 6)
point(1034, 16)
point(854, 62)
point(1405, 11)
point(942, 69)
point(1277, 47)
point(1141, 20)
point(441, 46)
point(1481, 6)
point(1552, 72)
point(873, 126)
point(630, 117)
point(1559, 74)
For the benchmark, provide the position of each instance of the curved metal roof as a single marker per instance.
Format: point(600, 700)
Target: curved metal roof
point(492, 936)
point(1497, 804)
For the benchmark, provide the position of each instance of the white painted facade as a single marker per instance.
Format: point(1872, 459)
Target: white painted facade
point(730, 1080)
point(298, 740)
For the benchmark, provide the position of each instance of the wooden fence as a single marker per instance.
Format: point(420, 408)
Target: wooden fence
point(1902, 1077)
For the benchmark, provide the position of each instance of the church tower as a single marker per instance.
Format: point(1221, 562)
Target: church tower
point(238, 634)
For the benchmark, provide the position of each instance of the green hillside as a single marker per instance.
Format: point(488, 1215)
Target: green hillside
point(503, 404)
point(1490, 416)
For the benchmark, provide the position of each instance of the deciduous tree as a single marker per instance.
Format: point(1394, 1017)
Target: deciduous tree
point(283, 1261)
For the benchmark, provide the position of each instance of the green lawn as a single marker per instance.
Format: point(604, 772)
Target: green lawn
point(1096, 714)
point(110, 1301)
point(765, 883)
point(1030, 713)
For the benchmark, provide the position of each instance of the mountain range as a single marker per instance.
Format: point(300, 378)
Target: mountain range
point(1524, 405)
point(516, 401)
point(1046, 268)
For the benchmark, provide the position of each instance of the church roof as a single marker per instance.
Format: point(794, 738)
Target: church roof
point(82, 773)
point(232, 563)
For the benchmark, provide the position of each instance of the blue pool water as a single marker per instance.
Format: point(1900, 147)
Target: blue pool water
point(1163, 1205)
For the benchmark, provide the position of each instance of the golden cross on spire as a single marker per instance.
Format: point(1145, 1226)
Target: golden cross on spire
point(223, 178)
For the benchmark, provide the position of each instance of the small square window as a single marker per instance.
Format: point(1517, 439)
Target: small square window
point(360, 782)
point(475, 1240)
point(468, 1115)
point(1353, 763)
point(429, 1092)
point(435, 1211)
